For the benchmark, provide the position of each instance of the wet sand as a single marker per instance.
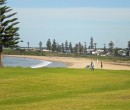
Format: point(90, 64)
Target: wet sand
point(80, 62)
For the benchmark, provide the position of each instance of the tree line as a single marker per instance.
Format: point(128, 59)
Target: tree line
point(68, 46)
point(80, 47)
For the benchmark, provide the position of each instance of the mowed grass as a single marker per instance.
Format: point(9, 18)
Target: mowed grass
point(64, 89)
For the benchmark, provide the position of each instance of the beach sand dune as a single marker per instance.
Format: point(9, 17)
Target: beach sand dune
point(79, 62)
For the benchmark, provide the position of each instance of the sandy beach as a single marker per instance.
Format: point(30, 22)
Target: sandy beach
point(80, 62)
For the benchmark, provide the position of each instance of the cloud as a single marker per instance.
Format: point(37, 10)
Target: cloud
point(74, 24)
point(75, 13)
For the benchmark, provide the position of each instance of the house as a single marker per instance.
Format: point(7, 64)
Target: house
point(45, 50)
point(90, 51)
point(122, 52)
point(99, 51)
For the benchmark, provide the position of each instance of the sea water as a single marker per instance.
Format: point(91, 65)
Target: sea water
point(28, 62)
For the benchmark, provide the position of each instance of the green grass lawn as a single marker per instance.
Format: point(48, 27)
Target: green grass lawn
point(64, 89)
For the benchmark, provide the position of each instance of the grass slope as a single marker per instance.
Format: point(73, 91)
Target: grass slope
point(64, 89)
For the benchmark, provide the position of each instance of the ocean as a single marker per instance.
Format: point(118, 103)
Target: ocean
point(28, 62)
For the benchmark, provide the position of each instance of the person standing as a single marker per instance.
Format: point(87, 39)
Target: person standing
point(101, 65)
point(97, 63)
point(92, 65)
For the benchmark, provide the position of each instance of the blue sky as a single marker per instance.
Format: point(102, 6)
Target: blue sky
point(73, 20)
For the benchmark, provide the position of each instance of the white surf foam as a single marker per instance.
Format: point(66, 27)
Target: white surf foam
point(42, 64)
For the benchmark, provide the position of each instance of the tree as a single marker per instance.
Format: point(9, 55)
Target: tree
point(85, 47)
point(9, 37)
point(80, 47)
point(28, 45)
point(48, 44)
point(91, 43)
point(95, 46)
point(62, 47)
point(66, 45)
point(40, 45)
point(129, 45)
point(54, 45)
point(115, 51)
point(71, 47)
point(111, 47)
point(76, 49)
point(105, 50)
point(58, 47)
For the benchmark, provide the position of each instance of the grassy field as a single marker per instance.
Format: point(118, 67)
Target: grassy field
point(64, 89)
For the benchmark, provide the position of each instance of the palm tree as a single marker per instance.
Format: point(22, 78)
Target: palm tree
point(9, 37)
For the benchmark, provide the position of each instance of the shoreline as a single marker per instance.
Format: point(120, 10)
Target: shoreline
point(77, 62)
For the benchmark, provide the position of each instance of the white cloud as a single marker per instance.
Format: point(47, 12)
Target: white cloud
point(75, 13)
point(68, 23)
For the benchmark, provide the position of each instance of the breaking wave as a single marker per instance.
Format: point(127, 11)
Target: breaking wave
point(24, 62)
point(42, 64)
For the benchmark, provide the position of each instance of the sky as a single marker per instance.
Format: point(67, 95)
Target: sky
point(73, 20)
